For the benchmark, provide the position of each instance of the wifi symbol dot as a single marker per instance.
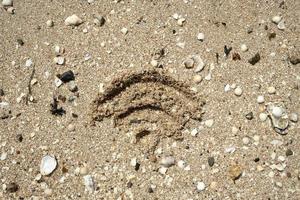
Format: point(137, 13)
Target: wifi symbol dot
point(149, 104)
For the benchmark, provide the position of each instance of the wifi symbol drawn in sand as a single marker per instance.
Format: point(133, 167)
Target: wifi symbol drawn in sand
point(148, 104)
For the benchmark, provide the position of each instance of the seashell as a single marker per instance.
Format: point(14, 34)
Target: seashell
point(48, 165)
point(279, 117)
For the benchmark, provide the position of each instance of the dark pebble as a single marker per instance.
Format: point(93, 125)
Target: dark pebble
point(294, 60)
point(255, 59)
point(1, 92)
point(150, 190)
point(12, 187)
point(67, 76)
point(249, 116)
point(236, 56)
point(137, 166)
point(271, 35)
point(19, 137)
point(289, 152)
point(227, 50)
point(256, 160)
point(20, 42)
point(129, 184)
point(211, 161)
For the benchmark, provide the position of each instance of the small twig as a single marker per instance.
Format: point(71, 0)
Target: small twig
point(29, 85)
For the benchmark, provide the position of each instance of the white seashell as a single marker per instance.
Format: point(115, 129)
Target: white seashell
point(48, 165)
point(89, 183)
point(278, 116)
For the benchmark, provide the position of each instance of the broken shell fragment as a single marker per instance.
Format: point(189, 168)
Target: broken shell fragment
point(279, 117)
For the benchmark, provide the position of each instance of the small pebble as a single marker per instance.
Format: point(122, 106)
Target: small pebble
point(58, 50)
point(72, 86)
point(200, 186)
point(234, 130)
point(67, 76)
point(209, 123)
point(124, 30)
point(48, 165)
point(263, 117)
point(83, 170)
point(7, 2)
point(244, 48)
point(57, 82)
point(197, 78)
point(73, 20)
point(227, 88)
point(167, 161)
point(194, 132)
point(255, 59)
point(59, 60)
point(276, 19)
point(249, 116)
point(180, 21)
point(71, 127)
point(211, 161)
point(154, 63)
point(260, 99)
point(99, 20)
point(20, 41)
point(271, 90)
point(235, 172)
point(189, 63)
point(246, 140)
point(89, 183)
point(200, 37)
point(28, 63)
point(281, 25)
point(238, 91)
point(294, 117)
point(49, 23)
point(289, 152)
point(277, 112)
point(181, 164)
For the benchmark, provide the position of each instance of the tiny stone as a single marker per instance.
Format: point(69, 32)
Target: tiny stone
point(7, 2)
point(271, 90)
point(57, 82)
point(255, 59)
point(48, 165)
point(200, 37)
point(234, 130)
point(175, 16)
point(180, 21)
point(194, 132)
point(200, 186)
point(167, 161)
point(294, 117)
point(89, 183)
point(197, 78)
point(249, 116)
point(67, 76)
point(276, 19)
point(238, 91)
point(58, 50)
point(49, 23)
point(211, 161)
point(154, 63)
point(124, 30)
point(235, 172)
point(244, 48)
point(20, 41)
point(209, 123)
point(12, 187)
point(189, 63)
point(73, 20)
point(59, 60)
point(260, 99)
point(28, 63)
point(19, 137)
point(71, 127)
point(181, 164)
point(263, 117)
point(281, 158)
point(72, 86)
point(289, 152)
point(281, 25)
point(83, 170)
point(246, 140)
point(278, 184)
point(163, 170)
point(277, 112)
point(99, 20)
point(1, 92)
